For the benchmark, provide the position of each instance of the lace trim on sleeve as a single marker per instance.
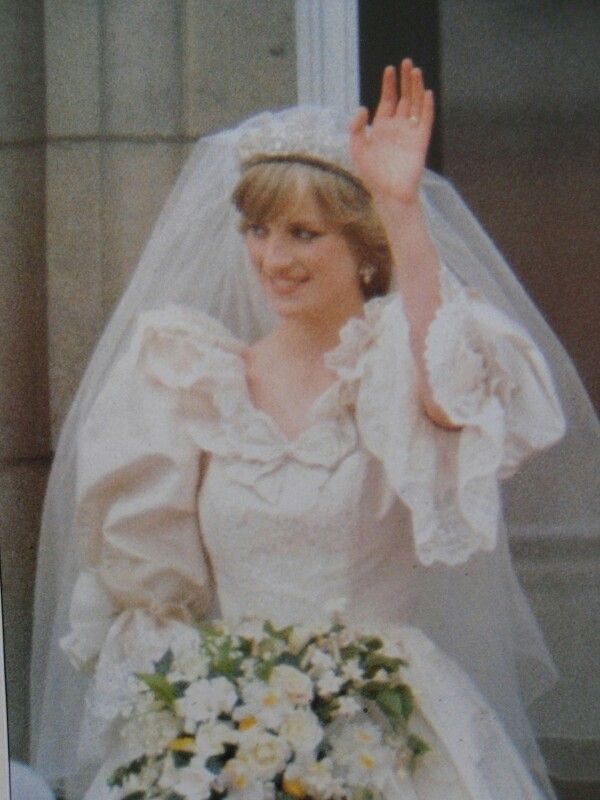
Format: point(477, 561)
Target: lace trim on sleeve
point(487, 376)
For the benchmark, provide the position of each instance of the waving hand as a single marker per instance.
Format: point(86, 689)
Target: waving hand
point(390, 155)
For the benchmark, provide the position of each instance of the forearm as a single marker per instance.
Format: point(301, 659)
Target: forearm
point(417, 274)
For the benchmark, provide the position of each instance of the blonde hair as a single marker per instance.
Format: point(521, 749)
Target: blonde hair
point(269, 189)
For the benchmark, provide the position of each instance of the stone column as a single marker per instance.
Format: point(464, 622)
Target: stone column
point(131, 85)
point(24, 440)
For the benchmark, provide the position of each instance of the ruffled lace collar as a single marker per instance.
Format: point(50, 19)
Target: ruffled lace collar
point(187, 350)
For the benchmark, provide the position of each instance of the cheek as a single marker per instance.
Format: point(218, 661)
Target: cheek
point(253, 253)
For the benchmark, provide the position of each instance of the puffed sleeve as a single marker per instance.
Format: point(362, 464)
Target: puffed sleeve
point(138, 476)
point(490, 379)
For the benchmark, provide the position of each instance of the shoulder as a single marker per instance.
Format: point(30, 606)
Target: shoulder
point(178, 346)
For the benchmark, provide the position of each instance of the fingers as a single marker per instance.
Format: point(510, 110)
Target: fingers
point(388, 98)
point(359, 122)
point(412, 103)
point(428, 111)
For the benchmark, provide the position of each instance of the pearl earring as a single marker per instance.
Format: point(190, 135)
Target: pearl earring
point(366, 273)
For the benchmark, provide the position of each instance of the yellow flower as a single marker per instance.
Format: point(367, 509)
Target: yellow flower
point(247, 722)
point(183, 744)
point(294, 787)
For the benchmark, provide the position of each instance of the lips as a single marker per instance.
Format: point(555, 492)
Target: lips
point(288, 284)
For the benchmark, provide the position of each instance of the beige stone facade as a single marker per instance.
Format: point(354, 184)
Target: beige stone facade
point(100, 101)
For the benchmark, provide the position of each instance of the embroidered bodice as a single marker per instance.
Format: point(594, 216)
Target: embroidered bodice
point(185, 487)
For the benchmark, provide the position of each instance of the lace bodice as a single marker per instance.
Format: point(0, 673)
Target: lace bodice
point(186, 487)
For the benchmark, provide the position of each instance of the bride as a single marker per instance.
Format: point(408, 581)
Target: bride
point(351, 450)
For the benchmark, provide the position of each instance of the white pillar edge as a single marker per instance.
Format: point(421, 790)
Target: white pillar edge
point(327, 62)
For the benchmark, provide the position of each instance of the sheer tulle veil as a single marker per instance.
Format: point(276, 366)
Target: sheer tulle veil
point(477, 612)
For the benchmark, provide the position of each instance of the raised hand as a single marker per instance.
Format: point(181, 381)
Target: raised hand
point(390, 154)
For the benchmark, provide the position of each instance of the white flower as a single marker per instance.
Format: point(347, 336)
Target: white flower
point(192, 781)
point(241, 783)
point(347, 707)
point(307, 777)
point(299, 637)
point(211, 738)
point(264, 753)
point(321, 661)
point(150, 733)
point(358, 748)
point(381, 676)
point(139, 782)
point(248, 667)
point(329, 683)
point(302, 730)
point(188, 665)
point(267, 704)
point(206, 700)
point(352, 671)
point(295, 685)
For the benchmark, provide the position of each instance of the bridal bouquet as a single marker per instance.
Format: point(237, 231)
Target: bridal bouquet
point(255, 712)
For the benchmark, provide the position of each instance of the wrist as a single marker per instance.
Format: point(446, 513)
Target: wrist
point(394, 210)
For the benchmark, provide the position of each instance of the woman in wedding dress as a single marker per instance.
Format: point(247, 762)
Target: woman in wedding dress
point(352, 451)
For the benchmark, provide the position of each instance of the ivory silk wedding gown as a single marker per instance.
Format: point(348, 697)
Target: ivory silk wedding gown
point(189, 493)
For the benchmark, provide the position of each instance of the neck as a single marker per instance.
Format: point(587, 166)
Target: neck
point(309, 338)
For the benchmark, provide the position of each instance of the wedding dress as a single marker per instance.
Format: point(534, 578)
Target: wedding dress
point(188, 494)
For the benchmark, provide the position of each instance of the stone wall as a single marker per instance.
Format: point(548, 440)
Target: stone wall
point(24, 429)
point(100, 101)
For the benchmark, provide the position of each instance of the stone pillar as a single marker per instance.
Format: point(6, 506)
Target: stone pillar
point(24, 440)
point(130, 86)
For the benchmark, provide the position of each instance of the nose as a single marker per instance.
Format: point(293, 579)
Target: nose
point(276, 253)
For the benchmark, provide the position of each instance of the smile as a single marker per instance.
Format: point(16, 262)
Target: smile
point(286, 285)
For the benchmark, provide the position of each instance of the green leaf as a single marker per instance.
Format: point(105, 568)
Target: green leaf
point(160, 687)
point(324, 709)
point(226, 660)
point(179, 688)
point(371, 642)
point(181, 758)
point(138, 795)
point(287, 658)
point(397, 703)
point(364, 793)
point(263, 670)
point(278, 633)
point(164, 664)
point(214, 764)
point(281, 795)
point(245, 646)
point(418, 746)
point(352, 651)
point(375, 661)
point(133, 768)
point(370, 689)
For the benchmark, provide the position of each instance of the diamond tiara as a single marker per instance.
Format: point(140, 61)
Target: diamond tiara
point(317, 137)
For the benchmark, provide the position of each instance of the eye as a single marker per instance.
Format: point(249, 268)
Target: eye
point(305, 234)
point(256, 230)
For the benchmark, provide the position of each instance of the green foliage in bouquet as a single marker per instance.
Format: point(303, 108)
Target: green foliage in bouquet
point(257, 712)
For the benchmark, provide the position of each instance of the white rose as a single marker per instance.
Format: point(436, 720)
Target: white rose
point(193, 781)
point(329, 683)
point(295, 685)
point(302, 730)
point(266, 703)
point(264, 753)
point(205, 700)
point(240, 782)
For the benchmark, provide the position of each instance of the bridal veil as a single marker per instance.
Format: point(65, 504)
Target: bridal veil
point(195, 257)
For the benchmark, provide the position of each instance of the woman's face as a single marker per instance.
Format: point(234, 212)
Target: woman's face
point(305, 265)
